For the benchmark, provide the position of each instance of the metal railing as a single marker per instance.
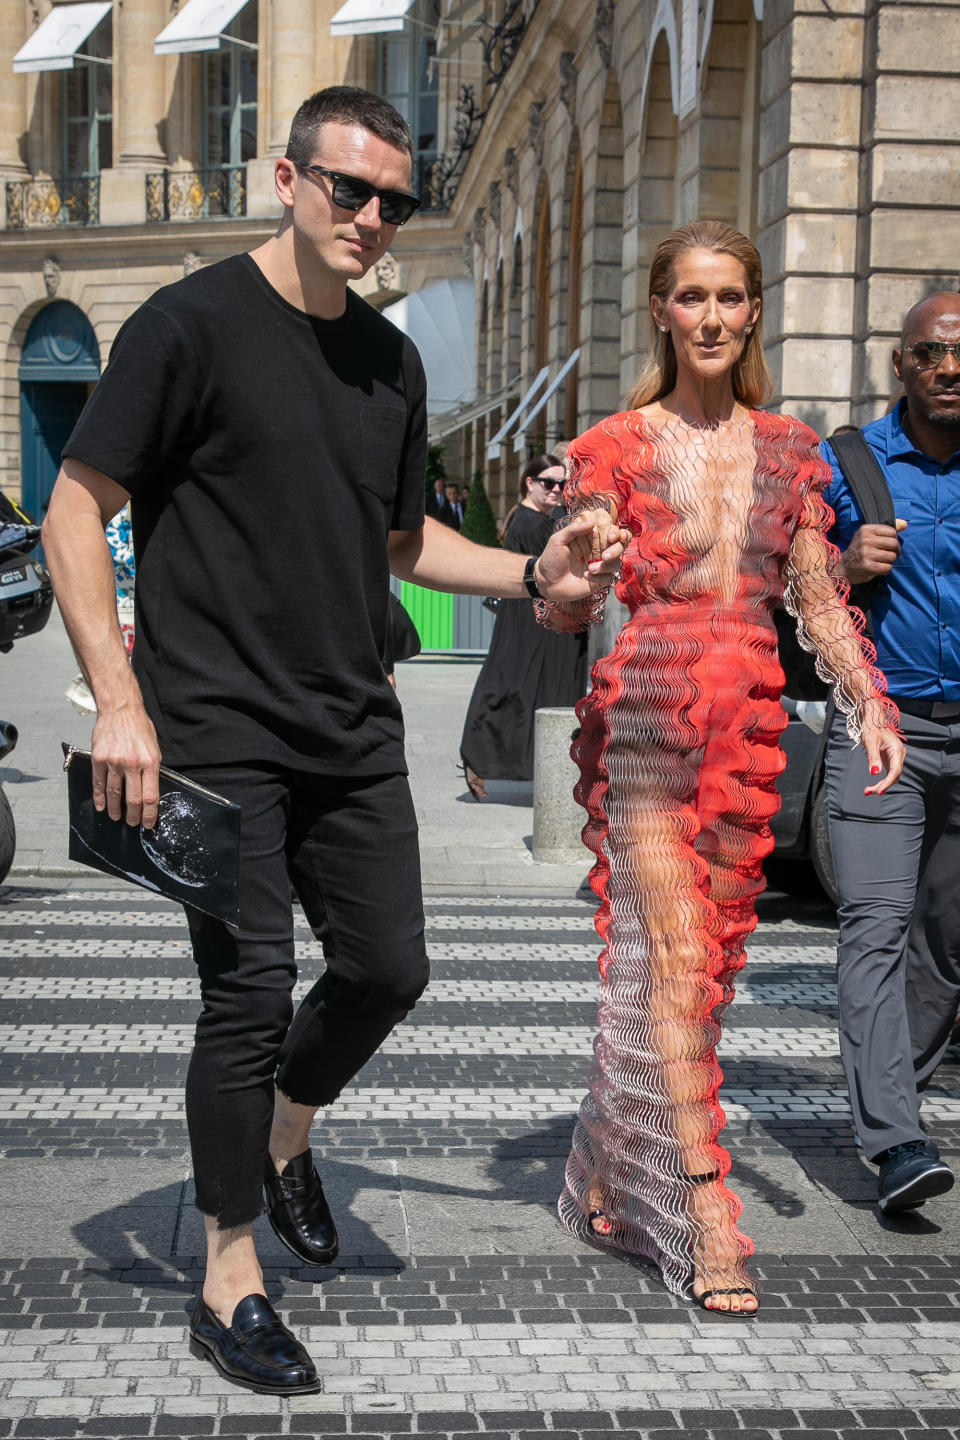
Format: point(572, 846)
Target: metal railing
point(72, 200)
point(499, 41)
point(217, 194)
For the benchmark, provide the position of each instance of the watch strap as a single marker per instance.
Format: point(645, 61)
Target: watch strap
point(530, 579)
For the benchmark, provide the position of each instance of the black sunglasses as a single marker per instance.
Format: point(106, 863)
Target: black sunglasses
point(548, 484)
point(351, 193)
point(928, 354)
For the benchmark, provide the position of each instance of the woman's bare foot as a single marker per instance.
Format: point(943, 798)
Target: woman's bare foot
point(597, 1217)
point(474, 783)
point(738, 1300)
point(720, 1280)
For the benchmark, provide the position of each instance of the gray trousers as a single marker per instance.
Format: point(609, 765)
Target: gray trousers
point(897, 859)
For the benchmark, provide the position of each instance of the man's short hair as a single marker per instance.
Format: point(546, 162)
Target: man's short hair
point(345, 105)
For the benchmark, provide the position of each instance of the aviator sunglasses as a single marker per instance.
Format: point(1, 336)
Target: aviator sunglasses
point(351, 193)
point(928, 354)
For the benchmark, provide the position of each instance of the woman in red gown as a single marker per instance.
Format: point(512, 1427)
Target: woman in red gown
point(679, 747)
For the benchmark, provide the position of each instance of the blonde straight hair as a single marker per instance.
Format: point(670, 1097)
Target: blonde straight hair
point(752, 381)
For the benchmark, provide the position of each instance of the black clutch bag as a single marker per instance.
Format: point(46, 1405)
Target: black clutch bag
point(192, 855)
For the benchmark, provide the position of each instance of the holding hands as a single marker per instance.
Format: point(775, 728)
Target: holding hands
point(582, 558)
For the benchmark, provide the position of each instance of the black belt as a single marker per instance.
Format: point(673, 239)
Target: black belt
point(928, 709)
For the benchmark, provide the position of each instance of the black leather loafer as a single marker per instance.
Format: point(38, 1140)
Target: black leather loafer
point(256, 1351)
point(298, 1210)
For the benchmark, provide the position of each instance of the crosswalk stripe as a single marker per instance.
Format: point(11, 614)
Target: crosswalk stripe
point(386, 1103)
point(408, 1039)
point(488, 993)
point(19, 919)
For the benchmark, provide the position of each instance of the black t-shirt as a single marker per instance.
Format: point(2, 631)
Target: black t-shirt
point(268, 453)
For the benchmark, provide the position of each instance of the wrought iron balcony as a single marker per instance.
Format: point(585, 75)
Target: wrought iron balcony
point(217, 194)
point(73, 200)
point(499, 42)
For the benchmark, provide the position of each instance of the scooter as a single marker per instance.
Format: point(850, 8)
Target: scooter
point(26, 599)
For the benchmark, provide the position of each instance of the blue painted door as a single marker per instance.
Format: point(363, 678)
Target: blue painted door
point(48, 412)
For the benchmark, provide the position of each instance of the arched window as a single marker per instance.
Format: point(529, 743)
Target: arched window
point(59, 363)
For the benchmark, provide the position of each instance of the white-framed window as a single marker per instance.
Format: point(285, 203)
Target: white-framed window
point(230, 95)
point(86, 106)
point(406, 78)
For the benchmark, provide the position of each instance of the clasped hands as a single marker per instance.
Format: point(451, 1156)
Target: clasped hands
point(582, 558)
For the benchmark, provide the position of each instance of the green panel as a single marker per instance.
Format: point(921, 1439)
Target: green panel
point(432, 613)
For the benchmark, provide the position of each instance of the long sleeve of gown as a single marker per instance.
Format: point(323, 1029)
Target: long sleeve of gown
point(826, 626)
point(597, 479)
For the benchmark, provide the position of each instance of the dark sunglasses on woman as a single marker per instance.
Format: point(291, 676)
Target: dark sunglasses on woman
point(549, 484)
point(352, 193)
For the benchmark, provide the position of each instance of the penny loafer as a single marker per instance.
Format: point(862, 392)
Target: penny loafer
point(298, 1211)
point(256, 1350)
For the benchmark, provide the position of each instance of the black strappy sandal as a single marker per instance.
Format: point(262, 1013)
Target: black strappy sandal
point(728, 1314)
point(601, 1214)
point(706, 1295)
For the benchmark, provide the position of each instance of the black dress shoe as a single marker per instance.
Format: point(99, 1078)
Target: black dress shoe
point(256, 1351)
point(298, 1210)
point(911, 1174)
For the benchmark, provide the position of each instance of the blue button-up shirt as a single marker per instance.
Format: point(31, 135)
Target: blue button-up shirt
point(916, 626)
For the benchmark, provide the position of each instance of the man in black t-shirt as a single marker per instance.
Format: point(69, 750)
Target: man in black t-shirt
point(270, 430)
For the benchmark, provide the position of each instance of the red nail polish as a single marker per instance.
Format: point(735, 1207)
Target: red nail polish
point(874, 769)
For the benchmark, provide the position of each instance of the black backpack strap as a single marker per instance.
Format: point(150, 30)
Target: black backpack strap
point(863, 473)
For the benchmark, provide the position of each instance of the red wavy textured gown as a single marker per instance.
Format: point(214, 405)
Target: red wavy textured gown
point(679, 754)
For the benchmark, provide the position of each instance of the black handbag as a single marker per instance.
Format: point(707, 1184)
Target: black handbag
point(403, 640)
point(191, 856)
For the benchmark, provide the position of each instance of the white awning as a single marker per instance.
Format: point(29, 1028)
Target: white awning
point(452, 420)
point(369, 17)
point(460, 24)
point(59, 36)
point(198, 26)
point(519, 437)
point(441, 322)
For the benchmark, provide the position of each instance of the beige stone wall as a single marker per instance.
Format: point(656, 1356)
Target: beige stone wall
point(829, 133)
point(108, 269)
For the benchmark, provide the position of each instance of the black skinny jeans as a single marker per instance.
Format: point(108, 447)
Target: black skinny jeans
point(348, 847)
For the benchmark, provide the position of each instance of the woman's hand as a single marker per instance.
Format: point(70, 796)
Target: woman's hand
point(583, 557)
point(885, 750)
point(604, 532)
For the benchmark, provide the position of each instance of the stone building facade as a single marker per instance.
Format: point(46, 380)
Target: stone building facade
point(572, 135)
point(828, 132)
point(130, 168)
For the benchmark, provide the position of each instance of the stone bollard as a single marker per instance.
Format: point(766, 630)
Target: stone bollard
point(557, 818)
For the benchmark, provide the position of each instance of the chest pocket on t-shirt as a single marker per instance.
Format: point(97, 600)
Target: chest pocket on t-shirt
point(382, 432)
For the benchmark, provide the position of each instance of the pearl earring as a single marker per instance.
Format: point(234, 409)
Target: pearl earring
point(663, 329)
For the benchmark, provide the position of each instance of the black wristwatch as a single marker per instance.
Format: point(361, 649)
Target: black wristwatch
point(530, 579)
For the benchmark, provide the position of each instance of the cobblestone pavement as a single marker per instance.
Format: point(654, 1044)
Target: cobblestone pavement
point(458, 1304)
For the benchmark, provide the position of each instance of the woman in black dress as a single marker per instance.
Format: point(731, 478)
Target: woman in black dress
point(527, 667)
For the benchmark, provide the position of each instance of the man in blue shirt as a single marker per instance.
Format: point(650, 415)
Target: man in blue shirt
point(898, 861)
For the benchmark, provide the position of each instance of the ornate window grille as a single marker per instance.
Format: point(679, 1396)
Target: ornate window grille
point(217, 194)
point(499, 41)
point(33, 204)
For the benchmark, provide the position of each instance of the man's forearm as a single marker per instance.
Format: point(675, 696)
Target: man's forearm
point(438, 558)
point(83, 579)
